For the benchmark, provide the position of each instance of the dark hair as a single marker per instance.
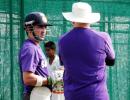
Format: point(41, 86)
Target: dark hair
point(50, 44)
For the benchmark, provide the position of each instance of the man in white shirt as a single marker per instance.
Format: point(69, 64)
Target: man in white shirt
point(56, 70)
point(53, 58)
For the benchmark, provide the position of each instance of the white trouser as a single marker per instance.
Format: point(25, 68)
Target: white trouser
point(40, 93)
point(57, 96)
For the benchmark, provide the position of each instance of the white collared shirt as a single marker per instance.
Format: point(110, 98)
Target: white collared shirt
point(55, 64)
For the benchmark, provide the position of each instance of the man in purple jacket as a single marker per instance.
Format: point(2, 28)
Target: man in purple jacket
point(85, 54)
point(32, 61)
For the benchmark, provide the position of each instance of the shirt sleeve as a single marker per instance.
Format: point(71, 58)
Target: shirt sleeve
point(110, 54)
point(28, 60)
point(109, 47)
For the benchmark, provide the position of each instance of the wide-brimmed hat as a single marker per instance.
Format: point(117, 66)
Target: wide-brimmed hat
point(82, 13)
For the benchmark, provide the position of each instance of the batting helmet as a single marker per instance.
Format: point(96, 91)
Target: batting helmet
point(36, 18)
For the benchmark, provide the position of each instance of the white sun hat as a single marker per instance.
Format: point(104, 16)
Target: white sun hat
point(82, 13)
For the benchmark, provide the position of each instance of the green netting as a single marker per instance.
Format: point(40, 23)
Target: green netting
point(115, 19)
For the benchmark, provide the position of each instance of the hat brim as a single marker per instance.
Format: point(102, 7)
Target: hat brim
point(88, 18)
point(49, 25)
point(45, 25)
